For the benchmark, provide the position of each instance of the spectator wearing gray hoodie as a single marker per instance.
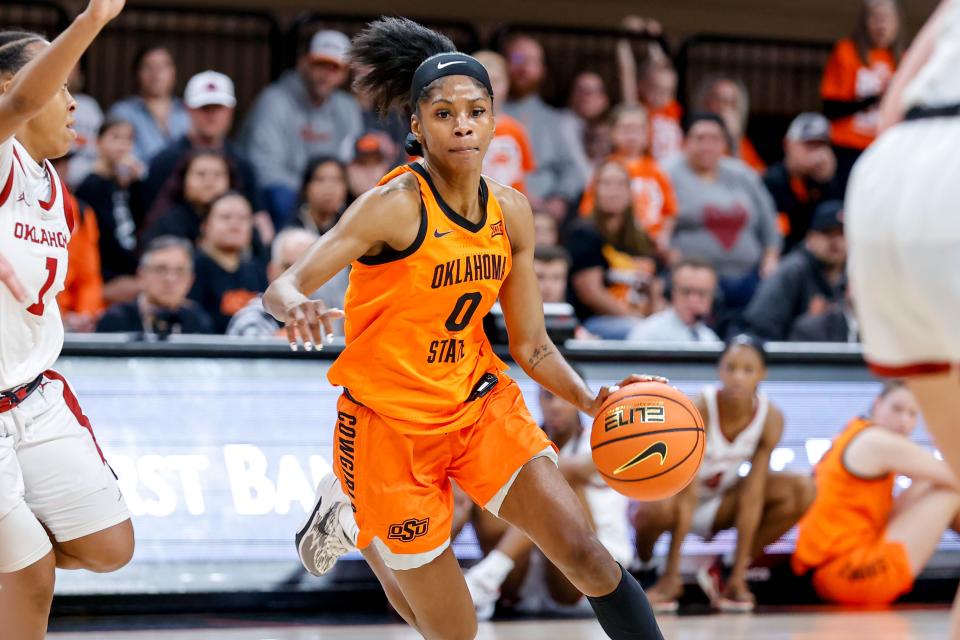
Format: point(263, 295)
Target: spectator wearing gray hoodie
point(561, 172)
point(302, 115)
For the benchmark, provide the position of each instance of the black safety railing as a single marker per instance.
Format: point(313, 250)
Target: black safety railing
point(598, 351)
point(570, 50)
point(239, 43)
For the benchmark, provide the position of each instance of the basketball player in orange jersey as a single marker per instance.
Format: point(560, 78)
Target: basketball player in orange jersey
point(904, 233)
point(862, 545)
point(743, 426)
point(425, 400)
point(60, 505)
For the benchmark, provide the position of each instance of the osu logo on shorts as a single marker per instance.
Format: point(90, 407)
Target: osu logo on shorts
point(408, 530)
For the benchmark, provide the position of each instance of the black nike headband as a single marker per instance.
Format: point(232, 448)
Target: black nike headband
point(442, 65)
point(439, 66)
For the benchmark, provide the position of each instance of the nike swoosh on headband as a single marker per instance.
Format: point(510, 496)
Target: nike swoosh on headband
point(441, 65)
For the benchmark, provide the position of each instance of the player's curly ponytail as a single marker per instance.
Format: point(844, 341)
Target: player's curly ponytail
point(13, 49)
point(385, 56)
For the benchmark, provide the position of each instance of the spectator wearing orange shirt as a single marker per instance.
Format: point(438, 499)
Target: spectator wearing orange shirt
point(728, 98)
point(654, 202)
point(510, 156)
point(81, 300)
point(653, 85)
point(856, 77)
point(658, 93)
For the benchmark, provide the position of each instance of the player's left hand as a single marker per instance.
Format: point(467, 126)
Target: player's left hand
point(606, 392)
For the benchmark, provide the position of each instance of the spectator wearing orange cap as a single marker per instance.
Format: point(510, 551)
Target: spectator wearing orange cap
point(374, 154)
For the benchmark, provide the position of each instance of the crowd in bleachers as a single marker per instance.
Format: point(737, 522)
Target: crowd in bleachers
point(656, 221)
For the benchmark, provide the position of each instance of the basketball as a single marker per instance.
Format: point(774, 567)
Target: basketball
point(648, 441)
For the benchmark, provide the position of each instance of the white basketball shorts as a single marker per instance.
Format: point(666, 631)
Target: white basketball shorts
point(902, 219)
point(52, 475)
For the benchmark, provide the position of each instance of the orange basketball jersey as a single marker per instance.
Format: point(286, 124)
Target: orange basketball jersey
point(848, 511)
point(415, 344)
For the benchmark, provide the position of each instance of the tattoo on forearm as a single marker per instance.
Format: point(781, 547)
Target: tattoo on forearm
point(539, 355)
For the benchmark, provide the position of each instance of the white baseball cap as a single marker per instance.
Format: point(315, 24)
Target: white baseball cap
point(209, 88)
point(329, 46)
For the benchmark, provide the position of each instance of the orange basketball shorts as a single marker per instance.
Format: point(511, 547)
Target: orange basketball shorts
point(874, 574)
point(399, 483)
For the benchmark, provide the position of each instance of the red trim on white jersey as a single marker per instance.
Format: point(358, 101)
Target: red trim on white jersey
point(71, 212)
point(910, 370)
point(7, 188)
point(74, 405)
point(51, 176)
point(16, 156)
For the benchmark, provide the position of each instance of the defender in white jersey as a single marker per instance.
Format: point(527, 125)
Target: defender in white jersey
point(903, 230)
point(60, 505)
point(743, 428)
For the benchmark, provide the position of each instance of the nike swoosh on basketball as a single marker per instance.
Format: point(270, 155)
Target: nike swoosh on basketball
point(441, 65)
point(658, 448)
point(437, 234)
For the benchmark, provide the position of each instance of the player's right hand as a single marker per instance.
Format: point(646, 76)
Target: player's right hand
point(10, 280)
point(310, 321)
point(103, 11)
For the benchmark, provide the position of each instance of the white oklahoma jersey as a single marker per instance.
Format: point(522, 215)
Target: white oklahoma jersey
point(723, 458)
point(35, 226)
point(53, 477)
point(902, 226)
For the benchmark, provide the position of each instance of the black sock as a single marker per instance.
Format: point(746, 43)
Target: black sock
point(625, 614)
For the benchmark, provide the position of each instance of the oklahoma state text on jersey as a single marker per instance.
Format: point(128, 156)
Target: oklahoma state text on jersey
point(414, 319)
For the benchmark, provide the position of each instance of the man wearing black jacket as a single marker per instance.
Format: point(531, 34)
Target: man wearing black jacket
point(805, 177)
point(808, 281)
point(165, 275)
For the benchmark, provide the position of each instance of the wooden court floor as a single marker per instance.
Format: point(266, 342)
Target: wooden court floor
point(832, 625)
